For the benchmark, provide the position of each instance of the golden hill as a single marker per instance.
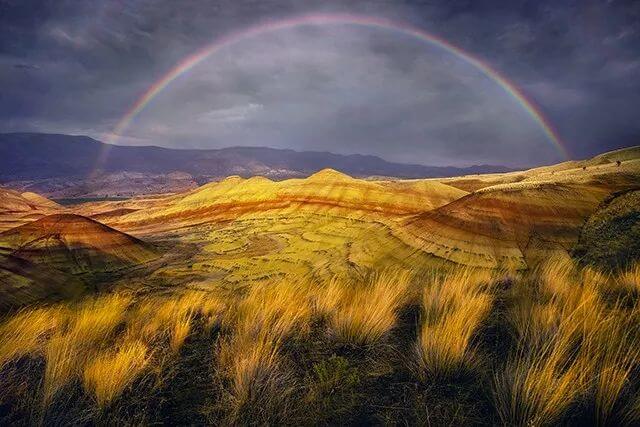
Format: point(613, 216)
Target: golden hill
point(324, 192)
point(74, 244)
point(511, 220)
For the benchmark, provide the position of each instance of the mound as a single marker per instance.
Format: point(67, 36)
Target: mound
point(610, 238)
point(39, 200)
point(622, 155)
point(75, 244)
point(329, 175)
point(505, 225)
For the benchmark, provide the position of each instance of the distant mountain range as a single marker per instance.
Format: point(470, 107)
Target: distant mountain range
point(78, 166)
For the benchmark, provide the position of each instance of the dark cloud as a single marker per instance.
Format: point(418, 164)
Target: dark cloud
point(77, 67)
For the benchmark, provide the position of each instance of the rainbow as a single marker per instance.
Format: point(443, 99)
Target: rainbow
point(338, 19)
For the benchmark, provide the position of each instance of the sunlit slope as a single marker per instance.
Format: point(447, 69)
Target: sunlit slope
point(506, 225)
point(19, 208)
point(265, 247)
point(246, 230)
point(325, 192)
point(511, 220)
point(74, 244)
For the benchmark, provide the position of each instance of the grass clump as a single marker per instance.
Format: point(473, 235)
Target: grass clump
point(109, 373)
point(453, 308)
point(575, 350)
point(68, 350)
point(25, 332)
point(363, 314)
point(250, 360)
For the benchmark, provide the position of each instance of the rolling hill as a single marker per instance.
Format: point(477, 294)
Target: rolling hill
point(325, 192)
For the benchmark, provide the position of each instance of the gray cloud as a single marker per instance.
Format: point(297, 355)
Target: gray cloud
point(77, 67)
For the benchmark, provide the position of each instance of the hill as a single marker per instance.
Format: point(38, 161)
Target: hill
point(515, 219)
point(327, 191)
point(505, 227)
point(65, 166)
point(74, 244)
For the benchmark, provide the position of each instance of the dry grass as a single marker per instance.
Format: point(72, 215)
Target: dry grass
point(539, 384)
point(171, 319)
point(328, 298)
point(364, 314)
point(279, 308)
point(574, 348)
point(90, 329)
point(24, 333)
point(253, 368)
point(180, 330)
point(631, 277)
point(453, 308)
point(109, 373)
point(613, 353)
point(577, 341)
point(250, 359)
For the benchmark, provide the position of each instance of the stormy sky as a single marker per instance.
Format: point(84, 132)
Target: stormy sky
point(76, 67)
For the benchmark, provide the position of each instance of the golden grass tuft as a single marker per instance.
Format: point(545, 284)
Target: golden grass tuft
point(540, 383)
point(180, 330)
point(24, 333)
point(250, 359)
point(90, 328)
point(109, 373)
point(330, 296)
point(631, 277)
point(279, 308)
point(172, 318)
point(364, 314)
point(253, 367)
point(453, 308)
